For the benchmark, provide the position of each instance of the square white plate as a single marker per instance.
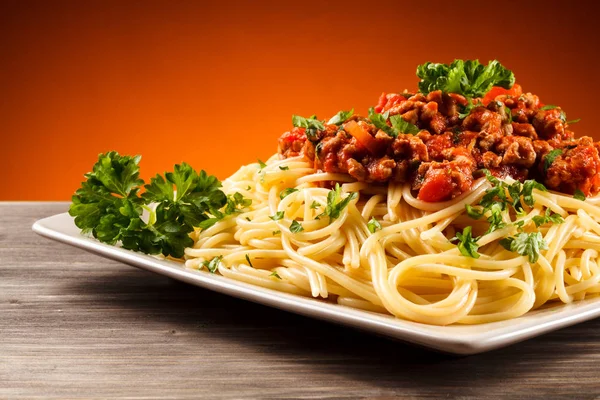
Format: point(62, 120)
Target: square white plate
point(458, 339)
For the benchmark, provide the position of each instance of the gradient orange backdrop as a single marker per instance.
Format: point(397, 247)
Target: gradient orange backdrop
point(216, 83)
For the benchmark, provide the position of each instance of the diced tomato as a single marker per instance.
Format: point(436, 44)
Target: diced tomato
point(296, 134)
point(362, 136)
point(381, 102)
point(496, 91)
point(437, 186)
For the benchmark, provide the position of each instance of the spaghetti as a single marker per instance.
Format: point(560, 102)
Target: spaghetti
point(408, 268)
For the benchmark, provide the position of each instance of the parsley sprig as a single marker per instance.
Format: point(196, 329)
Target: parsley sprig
point(109, 206)
point(335, 203)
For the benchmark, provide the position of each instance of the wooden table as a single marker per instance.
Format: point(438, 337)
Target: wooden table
point(76, 325)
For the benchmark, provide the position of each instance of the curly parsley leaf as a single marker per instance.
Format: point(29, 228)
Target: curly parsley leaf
point(526, 244)
point(466, 243)
point(373, 225)
point(469, 78)
point(108, 205)
point(341, 117)
point(107, 202)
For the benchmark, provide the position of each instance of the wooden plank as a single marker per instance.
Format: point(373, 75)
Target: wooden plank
point(76, 325)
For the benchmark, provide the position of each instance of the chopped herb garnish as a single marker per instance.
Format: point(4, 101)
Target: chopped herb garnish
point(284, 168)
point(261, 164)
point(578, 194)
point(286, 192)
point(249, 262)
point(335, 203)
point(309, 123)
point(403, 126)
point(277, 232)
point(380, 122)
point(278, 215)
point(548, 107)
point(275, 274)
point(466, 243)
point(527, 192)
point(573, 121)
point(315, 205)
point(213, 264)
point(549, 216)
point(296, 227)
point(526, 244)
point(341, 117)
point(373, 225)
point(549, 158)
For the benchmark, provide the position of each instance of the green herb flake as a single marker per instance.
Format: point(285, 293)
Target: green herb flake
point(466, 243)
point(275, 275)
point(578, 194)
point(341, 117)
point(309, 123)
point(286, 192)
point(526, 244)
point(550, 157)
point(249, 262)
point(335, 203)
point(403, 126)
point(373, 225)
point(284, 168)
point(278, 215)
point(548, 217)
point(296, 227)
point(213, 264)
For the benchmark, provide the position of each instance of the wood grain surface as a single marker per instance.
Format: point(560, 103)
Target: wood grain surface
point(74, 325)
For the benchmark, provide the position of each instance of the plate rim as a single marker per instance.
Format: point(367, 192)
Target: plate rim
point(443, 339)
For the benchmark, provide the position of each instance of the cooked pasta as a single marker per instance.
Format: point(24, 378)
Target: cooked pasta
point(408, 268)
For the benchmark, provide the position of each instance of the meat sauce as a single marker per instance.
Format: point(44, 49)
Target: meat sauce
point(510, 133)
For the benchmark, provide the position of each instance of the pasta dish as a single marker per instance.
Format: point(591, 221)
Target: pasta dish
point(463, 202)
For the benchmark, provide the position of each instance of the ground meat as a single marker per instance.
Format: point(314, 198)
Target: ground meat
point(510, 135)
point(516, 150)
point(550, 124)
point(575, 168)
point(487, 123)
point(524, 129)
point(291, 143)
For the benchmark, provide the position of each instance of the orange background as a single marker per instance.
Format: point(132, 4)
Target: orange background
point(216, 83)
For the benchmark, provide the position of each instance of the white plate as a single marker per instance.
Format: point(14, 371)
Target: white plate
point(458, 339)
